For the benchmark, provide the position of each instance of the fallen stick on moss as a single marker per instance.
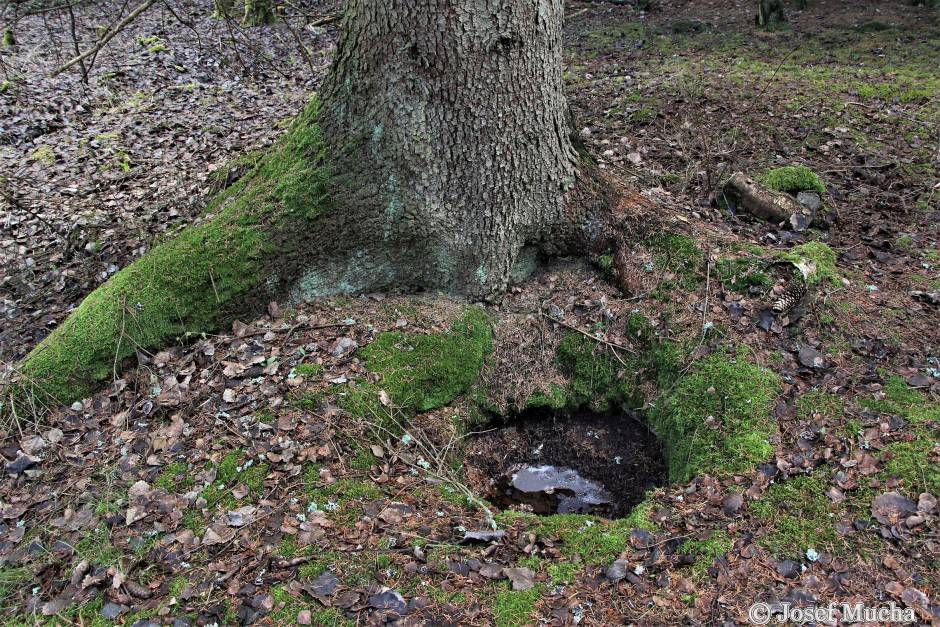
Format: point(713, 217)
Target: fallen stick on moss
point(765, 203)
point(588, 335)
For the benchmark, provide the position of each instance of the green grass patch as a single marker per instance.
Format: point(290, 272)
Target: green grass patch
point(724, 431)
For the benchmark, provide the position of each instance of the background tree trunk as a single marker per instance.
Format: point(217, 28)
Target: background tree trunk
point(770, 14)
point(258, 12)
point(451, 145)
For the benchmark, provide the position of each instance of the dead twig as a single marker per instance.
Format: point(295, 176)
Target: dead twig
point(589, 335)
point(107, 37)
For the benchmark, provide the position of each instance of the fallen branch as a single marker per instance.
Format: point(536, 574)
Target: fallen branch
point(765, 203)
point(107, 37)
point(590, 335)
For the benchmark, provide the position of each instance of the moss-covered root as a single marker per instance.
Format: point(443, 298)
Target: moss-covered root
point(194, 282)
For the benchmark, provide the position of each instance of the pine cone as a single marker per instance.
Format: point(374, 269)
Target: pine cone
point(792, 295)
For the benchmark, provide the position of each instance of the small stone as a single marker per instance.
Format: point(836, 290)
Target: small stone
point(344, 346)
point(810, 200)
point(617, 570)
point(111, 611)
point(788, 569)
point(810, 357)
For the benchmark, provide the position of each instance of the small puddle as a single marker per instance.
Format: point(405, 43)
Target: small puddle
point(548, 463)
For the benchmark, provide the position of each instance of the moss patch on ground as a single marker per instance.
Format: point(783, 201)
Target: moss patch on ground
point(717, 418)
point(422, 372)
point(793, 179)
point(190, 284)
point(680, 260)
point(512, 608)
point(594, 540)
point(819, 258)
point(597, 379)
point(800, 515)
point(915, 457)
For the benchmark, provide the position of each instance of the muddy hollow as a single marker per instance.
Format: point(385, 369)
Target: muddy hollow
point(548, 462)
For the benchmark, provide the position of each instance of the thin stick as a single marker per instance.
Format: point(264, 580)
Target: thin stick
point(586, 334)
point(108, 37)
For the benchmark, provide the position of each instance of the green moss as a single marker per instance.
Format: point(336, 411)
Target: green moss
point(422, 372)
point(793, 179)
point(596, 378)
point(707, 550)
point(43, 154)
point(819, 258)
point(8, 38)
point(604, 262)
point(513, 608)
point(193, 283)
point(234, 469)
point(156, 48)
point(554, 397)
point(564, 572)
point(175, 478)
point(800, 516)
point(594, 540)
point(720, 432)
point(914, 457)
point(681, 256)
point(743, 275)
point(309, 371)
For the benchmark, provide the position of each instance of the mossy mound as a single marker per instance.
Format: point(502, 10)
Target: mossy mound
point(192, 284)
point(422, 372)
point(598, 380)
point(717, 418)
point(793, 179)
point(817, 262)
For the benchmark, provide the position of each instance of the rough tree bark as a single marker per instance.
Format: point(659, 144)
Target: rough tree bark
point(439, 154)
point(451, 146)
point(257, 12)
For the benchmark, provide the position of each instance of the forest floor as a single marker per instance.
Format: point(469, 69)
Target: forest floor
point(246, 477)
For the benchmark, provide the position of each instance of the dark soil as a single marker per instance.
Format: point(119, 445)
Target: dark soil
point(616, 451)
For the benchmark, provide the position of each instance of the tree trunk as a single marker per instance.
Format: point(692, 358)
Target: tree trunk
point(451, 146)
point(258, 12)
point(222, 9)
point(439, 155)
point(770, 14)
